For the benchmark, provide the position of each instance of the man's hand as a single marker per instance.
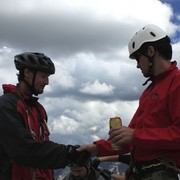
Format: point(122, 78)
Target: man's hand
point(91, 148)
point(75, 157)
point(121, 135)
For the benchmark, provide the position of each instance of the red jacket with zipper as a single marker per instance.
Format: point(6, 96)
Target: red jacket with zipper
point(156, 121)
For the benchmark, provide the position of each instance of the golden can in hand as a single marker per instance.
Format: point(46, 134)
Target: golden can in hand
point(115, 122)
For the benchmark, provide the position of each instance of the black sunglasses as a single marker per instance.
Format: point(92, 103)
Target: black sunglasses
point(137, 56)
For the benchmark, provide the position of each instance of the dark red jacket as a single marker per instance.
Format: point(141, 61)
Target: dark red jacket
point(25, 149)
point(157, 120)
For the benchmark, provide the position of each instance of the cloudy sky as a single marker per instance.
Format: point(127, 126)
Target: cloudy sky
point(87, 40)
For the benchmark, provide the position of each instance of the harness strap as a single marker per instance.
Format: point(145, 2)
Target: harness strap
point(169, 164)
point(138, 168)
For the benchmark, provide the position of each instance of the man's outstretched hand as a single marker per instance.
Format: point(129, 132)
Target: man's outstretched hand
point(76, 157)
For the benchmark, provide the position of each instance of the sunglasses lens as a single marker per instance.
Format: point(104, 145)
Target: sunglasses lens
point(137, 56)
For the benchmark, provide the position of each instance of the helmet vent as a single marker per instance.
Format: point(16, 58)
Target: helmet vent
point(31, 59)
point(133, 45)
point(41, 61)
point(152, 34)
point(22, 59)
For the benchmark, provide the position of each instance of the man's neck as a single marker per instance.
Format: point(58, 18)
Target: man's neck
point(161, 65)
point(24, 87)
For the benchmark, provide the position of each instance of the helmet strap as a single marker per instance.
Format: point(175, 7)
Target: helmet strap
point(151, 69)
point(151, 65)
point(33, 82)
point(31, 87)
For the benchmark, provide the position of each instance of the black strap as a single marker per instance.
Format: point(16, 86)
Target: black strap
point(41, 121)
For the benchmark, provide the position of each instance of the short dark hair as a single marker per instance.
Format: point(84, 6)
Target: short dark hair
point(20, 75)
point(163, 46)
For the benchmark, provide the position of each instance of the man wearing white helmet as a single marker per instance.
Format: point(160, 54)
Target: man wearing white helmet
point(147, 41)
point(153, 135)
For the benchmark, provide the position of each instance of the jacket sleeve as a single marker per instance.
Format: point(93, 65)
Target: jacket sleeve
point(104, 148)
point(20, 145)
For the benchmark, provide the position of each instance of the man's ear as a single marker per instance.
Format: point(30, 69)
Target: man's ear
point(28, 73)
point(151, 51)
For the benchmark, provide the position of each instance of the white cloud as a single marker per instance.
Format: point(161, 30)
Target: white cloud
point(64, 125)
point(97, 88)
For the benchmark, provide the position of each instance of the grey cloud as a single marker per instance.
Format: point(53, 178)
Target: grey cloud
point(60, 33)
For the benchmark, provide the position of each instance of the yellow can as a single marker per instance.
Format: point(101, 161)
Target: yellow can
point(115, 122)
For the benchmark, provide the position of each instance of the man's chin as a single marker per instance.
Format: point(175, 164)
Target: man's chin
point(39, 92)
point(146, 75)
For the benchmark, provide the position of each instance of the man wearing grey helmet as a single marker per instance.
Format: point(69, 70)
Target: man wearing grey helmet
point(26, 153)
point(153, 135)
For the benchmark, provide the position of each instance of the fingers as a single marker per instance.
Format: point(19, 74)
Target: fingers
point(91, 148)
point(83, 148)
point(121, 135)
point(118, 140)
point(115, 132)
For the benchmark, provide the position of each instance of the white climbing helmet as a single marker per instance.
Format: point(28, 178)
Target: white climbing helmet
point(149, 33)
